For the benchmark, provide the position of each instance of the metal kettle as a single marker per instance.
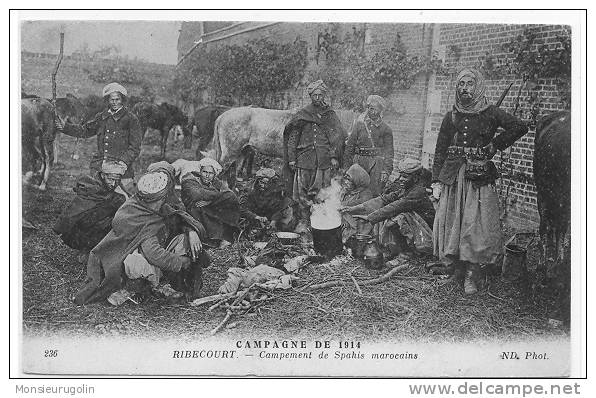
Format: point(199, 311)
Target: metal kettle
point(373, 256)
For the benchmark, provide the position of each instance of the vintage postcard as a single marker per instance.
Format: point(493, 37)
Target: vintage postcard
point(327, 194)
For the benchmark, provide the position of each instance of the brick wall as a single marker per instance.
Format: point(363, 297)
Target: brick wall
point(72, 77)
point(415, 114)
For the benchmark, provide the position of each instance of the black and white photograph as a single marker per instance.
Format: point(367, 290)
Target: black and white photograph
point(298, 193)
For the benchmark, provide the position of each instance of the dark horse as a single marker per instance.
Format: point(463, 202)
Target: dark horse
point(552, 176)
point(204, 121)
point(160, 117)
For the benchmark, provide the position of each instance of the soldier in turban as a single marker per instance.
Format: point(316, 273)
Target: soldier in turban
point(88, 218)
point(118, 133)
point(467, 228)
point(403, 215)
point(313, 148)
point(152, 236)
point(211, 202)
point(265, 205)
point(371, 144)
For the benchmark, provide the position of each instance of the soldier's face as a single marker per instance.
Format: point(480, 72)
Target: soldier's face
point(347, 183)
point(374, 111)
point(317, 97)
point(115, 101)
point(111, 180)
point(263, 183)
point(207, 174)
point(404, 180)
point(465, 88)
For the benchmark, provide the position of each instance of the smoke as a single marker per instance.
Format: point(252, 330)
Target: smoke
point(325, 214)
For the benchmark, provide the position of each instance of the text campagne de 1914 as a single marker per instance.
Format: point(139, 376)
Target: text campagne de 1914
point(293, 349)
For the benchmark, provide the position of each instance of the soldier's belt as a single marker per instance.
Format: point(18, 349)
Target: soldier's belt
point(367, 151)
point(466, 152)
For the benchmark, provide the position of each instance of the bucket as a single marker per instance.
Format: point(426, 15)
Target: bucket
point(358, 244)
point(327, 242)
point(514, 261)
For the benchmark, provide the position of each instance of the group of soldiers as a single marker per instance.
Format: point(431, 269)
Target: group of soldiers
point(148, 237)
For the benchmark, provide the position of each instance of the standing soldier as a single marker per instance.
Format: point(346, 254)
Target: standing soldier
point(467, 228)
point(315, 141)
point(371, 144)
point(118, 133)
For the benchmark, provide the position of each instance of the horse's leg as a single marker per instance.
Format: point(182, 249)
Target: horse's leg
point(250, 159)
point(164, 140)
point(46, 161)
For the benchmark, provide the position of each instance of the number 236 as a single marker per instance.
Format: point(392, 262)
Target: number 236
point(50, 353)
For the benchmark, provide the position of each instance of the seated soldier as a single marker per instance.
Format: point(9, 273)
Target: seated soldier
point(139, 243)
point(265, 206)
point(403, 216)
point(88, 218)
point(355, 191)
point(211, 202)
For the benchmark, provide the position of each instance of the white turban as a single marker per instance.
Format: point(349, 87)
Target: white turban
point(316, 85)
point(409, 165)
point(212, 163)
point(114, 88)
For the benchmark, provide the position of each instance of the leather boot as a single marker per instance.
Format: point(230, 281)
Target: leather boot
point(458, 274)
point(470, 280)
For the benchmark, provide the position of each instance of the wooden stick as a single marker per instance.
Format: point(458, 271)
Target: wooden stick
point(54, 73)
point(229, 312)
point(356, 284)
point(368, 282)
point(209, 299)
point(222, 323)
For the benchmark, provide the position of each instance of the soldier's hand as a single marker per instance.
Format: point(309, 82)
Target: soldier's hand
point(186, 263)
point(334, 163)
point(437, 189)
point(195, 244)
point(345, 209)
point(262, 220)
point(292, 165)
point(384, 177)
point(58, 123)
point(201, 203)
point(361, 217)
point(490, 150)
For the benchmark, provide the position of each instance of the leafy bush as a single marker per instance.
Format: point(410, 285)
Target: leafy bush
point(245, 74)
point(351, 74)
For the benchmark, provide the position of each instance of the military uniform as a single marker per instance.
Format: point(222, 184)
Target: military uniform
point(119, 137)
point(371, 146)
point(314, 137)
point(467, 224)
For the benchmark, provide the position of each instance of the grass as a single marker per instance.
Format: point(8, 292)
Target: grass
point(411, 305)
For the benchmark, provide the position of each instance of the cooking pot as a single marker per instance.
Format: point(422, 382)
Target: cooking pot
point(327, 242)
point(359, 243)
point(287, 238)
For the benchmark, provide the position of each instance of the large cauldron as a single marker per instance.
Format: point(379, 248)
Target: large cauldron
point(327, 242)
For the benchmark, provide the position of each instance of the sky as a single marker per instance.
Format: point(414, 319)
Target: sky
point(149, 41)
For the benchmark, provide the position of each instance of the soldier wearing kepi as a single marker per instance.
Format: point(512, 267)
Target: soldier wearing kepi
point(118, 133)
point(314, 142)
point(467, 229)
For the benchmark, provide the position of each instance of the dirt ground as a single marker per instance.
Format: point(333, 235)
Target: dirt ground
point(411, 305)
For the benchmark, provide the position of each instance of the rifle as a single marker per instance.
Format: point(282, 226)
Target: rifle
point(502, 97)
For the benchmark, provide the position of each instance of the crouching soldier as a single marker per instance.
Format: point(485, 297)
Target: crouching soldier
point(88, 218)
point(139, 244)
point(355, 191)
point(403, 216)
point(264, 206)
